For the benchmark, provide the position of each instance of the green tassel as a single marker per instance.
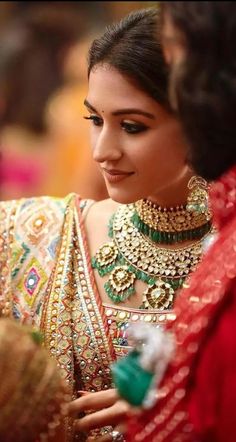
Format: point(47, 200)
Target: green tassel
point(176, 283)
point(142, 276)
point(169, 237)
point(118, 297)
point(102, 270)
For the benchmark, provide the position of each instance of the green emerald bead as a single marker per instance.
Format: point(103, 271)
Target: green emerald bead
point(165, 237)
point(143, 276)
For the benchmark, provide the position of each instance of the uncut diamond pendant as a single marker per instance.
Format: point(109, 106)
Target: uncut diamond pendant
point(120, 284)
point(159, 295)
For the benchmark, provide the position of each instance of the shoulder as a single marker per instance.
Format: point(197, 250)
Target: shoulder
point(28, 220)
point(97, 222)
point(35, 205)
point(101, 211)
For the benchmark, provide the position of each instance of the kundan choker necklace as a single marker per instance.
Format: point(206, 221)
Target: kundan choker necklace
point(134, 252)
point(169, 226)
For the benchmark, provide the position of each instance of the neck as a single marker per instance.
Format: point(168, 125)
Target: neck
point(174, 195)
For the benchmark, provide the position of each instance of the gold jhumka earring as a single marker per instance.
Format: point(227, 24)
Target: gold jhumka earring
point(197, 200)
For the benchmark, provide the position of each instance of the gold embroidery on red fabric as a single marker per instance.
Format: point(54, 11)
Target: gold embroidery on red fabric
point(212, 282)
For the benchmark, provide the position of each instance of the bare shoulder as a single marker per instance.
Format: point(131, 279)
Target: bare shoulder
point(97, 221)
point(100, 212)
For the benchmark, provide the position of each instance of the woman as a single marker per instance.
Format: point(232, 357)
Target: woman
point(197, 395)
point(32, 394)
point(152, 243)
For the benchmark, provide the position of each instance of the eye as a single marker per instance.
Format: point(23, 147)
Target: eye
point(96, 121)
point(133, 128)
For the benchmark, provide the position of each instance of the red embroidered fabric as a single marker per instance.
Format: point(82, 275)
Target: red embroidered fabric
point(198, 393)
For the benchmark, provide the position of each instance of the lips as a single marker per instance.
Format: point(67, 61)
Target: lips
point(114, 175)
point(117, 172)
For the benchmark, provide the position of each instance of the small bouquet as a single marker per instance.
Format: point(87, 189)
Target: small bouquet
point(137, 376)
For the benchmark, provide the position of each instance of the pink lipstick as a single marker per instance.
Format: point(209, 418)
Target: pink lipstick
point(115, 176)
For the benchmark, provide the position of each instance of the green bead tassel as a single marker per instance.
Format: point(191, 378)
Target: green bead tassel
point(118, 297)
point(169, 237)
point(102, 270)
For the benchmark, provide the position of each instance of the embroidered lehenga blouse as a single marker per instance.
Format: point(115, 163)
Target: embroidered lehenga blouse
point(47, 281)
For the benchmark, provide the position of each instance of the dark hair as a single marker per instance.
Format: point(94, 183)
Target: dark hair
point(205, 83)
point(32, 53)
point(132, 46)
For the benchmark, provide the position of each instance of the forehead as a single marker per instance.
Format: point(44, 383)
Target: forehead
point(108, 87)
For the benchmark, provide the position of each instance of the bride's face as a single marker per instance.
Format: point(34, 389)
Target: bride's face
point(138, 145)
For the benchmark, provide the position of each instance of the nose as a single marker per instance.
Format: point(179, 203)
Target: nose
point(106, 146)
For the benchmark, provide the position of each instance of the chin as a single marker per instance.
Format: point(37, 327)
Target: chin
point(123, 197)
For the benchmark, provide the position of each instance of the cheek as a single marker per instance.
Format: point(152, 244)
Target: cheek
point(166, 165)
point(166, 157)
point(165, 171)
point(94, 136)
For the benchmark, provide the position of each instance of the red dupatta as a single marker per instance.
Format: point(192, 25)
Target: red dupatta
point(196, 310)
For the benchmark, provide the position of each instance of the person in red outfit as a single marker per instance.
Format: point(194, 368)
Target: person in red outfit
point(197, 395)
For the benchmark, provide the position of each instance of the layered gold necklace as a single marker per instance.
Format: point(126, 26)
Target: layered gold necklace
point(134, 252)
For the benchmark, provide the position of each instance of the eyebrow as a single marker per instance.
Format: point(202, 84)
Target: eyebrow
point(123, 111)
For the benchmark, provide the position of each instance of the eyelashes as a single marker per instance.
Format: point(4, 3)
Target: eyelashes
point(133, 128)
point(96, 120)
point(129, 128)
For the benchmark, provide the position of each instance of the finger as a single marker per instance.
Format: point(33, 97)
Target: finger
point(134, 412)
point(121, 428)
point(93, 401)
point(109, 416)
point(83, 393)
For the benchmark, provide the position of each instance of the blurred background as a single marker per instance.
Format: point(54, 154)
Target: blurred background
point(44, 140)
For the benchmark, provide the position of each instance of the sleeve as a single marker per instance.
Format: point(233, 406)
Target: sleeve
point(212, 405)
point(30, 233)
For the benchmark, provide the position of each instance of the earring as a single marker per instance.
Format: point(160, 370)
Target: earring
point(197, 200)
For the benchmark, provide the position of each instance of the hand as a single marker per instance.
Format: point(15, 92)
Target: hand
point(105, 408)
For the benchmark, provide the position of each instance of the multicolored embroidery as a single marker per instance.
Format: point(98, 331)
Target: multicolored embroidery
point(50, 283)
point(119, 319)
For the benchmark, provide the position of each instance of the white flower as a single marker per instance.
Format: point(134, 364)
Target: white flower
point(156, 348)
